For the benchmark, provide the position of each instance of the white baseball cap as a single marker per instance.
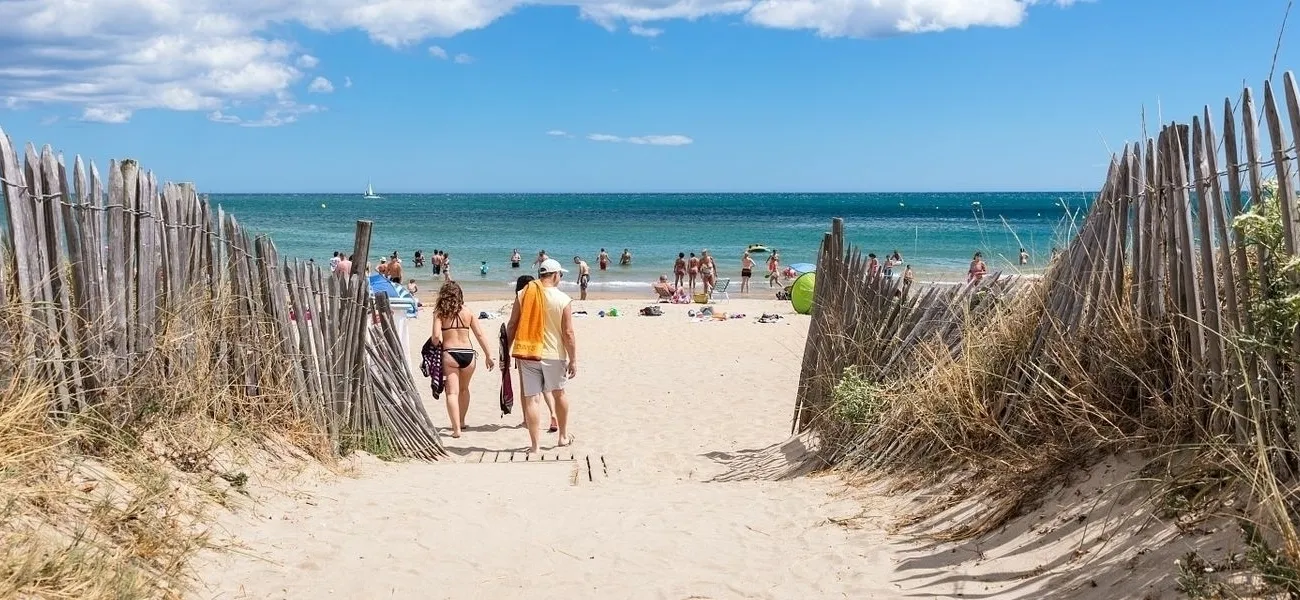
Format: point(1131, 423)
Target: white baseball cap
point(550, 265)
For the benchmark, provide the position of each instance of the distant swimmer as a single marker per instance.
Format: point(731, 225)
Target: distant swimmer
point(541, 258)
point(603, 259)
point(515, 258)
point(436, 261)
point(483, 269)
point(625, 259)
point(1024, 257)
point(584, 276)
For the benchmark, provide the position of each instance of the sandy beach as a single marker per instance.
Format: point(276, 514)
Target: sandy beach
point(678, 426)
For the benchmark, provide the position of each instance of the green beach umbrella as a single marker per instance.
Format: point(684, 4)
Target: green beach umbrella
point(801, 293)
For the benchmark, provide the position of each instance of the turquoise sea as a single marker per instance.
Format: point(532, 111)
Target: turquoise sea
point(936, 233)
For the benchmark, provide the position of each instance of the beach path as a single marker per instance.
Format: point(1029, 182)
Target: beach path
point(672, 492)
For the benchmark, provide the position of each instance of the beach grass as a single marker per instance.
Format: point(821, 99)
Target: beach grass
point(112, 502)
point(1016, 407)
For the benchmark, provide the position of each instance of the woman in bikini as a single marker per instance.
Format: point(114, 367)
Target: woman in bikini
point(977, 268)
point(452, 326)
point(679, 270)
point(693, 268)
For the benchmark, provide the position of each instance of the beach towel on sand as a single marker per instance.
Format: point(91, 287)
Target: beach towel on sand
point(431, 365)
point(529, 334)
point(507, 390)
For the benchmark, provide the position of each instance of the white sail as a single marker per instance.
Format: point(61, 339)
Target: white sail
point(370, 191)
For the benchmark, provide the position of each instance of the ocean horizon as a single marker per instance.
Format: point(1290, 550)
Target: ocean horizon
point(936, 233)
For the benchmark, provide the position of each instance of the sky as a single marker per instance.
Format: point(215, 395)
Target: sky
point(624, 95)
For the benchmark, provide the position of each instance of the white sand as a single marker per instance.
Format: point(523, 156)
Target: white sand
point(668, 404)
point(692, 422)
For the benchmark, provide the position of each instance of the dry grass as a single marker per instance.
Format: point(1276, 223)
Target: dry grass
point(113, 501)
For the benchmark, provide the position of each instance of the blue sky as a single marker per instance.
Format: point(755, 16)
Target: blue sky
point(626, 95)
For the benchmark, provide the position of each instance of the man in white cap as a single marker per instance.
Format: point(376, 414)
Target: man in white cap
point(546, 352)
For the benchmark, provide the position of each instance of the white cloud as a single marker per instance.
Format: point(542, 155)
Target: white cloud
point(283, 112)
point(347, 82)
point(320, 85)
point(110, 58)
point(105, 114)
point(559, 133)
point(50, 120)
point(661, 140)
point(650, 140)
point(464, 59)
point(644, 31)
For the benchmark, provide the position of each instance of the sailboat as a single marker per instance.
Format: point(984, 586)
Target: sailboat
point(370, 192)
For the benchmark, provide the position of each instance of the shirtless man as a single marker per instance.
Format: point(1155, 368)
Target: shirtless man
point(395, 269)
point(625, 259)
point(746, 271)
point(584, 276)
point(541, 258)
point(514, 259)
point(603, 260)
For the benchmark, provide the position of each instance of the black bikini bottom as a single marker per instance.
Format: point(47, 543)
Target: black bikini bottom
point(463, 357)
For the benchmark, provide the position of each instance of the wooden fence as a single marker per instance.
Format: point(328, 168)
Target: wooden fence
point(1164, 246)
point(99, 271)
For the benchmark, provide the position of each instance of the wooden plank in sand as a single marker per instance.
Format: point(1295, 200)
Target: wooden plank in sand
point(46, 190)
point(1207, 222)
point(1286, 197)
point(71, 312)
point(1231, 325)
point(1241, 265)
point(1270, 368)
point(18, 209)
point(1135, 190)
point(1192, 306)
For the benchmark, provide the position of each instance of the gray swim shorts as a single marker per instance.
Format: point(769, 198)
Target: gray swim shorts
point(543, 375)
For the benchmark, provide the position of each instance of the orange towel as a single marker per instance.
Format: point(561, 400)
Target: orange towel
point(528, 336)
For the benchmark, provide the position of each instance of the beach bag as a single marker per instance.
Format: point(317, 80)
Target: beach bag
point(652, 311)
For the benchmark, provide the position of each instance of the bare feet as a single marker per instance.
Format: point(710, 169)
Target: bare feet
point(455, 434)
point(566, 442)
